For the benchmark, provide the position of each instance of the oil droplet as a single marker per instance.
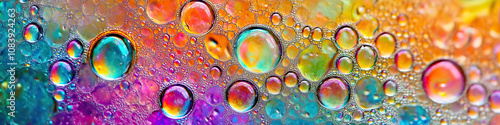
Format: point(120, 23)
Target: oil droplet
point(345, 65)
point(59, 95)
point(32, 32)
point(218, 46)
point(304, 86)
point(197, 17)
point(34, 10)
point(402, 20)
point(306, 31)
point(258, 50)
point(366, 57)
point(61, 73)
point(162, 11)
point(313, 63)
point(346, 38)
point(358, 115)
point(292, 51)
point(473, 112)
point(443, 81)
point(333, 93)
point(74, 48)
point(111, 55)
point(476, 94)
point(474, 74)
point(180, 40)
point(291, 79)
point(273, 85)
point(369, 93)
point(288, 34)
point(176, 101)
point(241, 96)
point(215, 72)
point(386, 44)
point(275, 109)
point(276, 18)
point(367, 25)
point(390, 88)
point(495, 101)
point(317, 34)
point(413, 115)
point(404, 60)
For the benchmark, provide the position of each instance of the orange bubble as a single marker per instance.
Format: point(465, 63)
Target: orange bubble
point(197, 17)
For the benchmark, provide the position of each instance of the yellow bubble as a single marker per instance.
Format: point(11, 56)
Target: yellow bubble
point(404, 60)
point(386, 44)
point(218, 46)
point(292, 51)
point(273, 85)
point(366, 57)
point(367, 25)
point(291, 79)
point(276, 18)
point(288, 34)
point(344, 65)
point(306, 31)
point(346, 38)
point(317, 34)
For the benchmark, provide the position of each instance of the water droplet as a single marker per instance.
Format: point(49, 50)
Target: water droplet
point(111, 55)
point(404, 60)
point(344, 65)
point(334, 93)
point(275, 109)
point(61, 73)
point(390, 88)
point(257, 50)
point(197, 17)
point(443, 81)
point(367, 25)
point(304, 86)
point(161, 11)
point(273, 85)
point(366, 57)
point(59, 95)
point(369, 93)
point(241, 96)
point(313, 63)
point(176, 101)
point(495, 101)
point(74, 49)
point(215, 72)
point(291, 79)
point(276, 18)
point(32, 32)
point(476, 94)
point(218, 46)
point(386, 44)
point(346, 38)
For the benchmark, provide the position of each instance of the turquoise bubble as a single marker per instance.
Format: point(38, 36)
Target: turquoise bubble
point(413, 115)
point(62, 72)
point(56, 34)
point(74, 49)
point(25, 48)
point(369, 93)
point(275, 109)
point(258, 50)
point(32, 32)
point(111, 56)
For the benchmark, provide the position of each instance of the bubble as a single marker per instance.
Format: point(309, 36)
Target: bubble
point(215, 72)
point(25, 48)
point(346, 38)
point(59, 95)
point(176, 101)
point(276, 18)
point(34, 10)
point(218, 46)
point(304, 86)
point(313, 63)
point(413, 115)
point(275, 109)
point(367, 25)
point(443, 81)
point(273, 85)
point(366, 57)
point(306, 31)
point(495, 101)
point(241, 96)
point(317, 34)
point(288, 34)
point(473, 112)
point(404, 60)
point(476, 94)
point(402, 20)
point(56, 34)
point(358, 115)
point(74, 49)
point(345, 65)
point(291, 79)
point(197, 17)
point(258, 50)
point(32, 32)
point(386, 44)
point(390, 88)
point(292, 51)
point(111, 55)
point(474, 74)
point(333, 93)
point(369, 93)
point(162, 11)
point(61, 73)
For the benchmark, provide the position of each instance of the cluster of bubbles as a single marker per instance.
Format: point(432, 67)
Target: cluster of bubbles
point(251, 62)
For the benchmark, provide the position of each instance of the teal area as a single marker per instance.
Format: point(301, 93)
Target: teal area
point(369, 93)
point(413, 115)
point(56, 34)
point(42, 52)
point(275, 109)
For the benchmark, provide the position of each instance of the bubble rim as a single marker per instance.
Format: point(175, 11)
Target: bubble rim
point(133, 46)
